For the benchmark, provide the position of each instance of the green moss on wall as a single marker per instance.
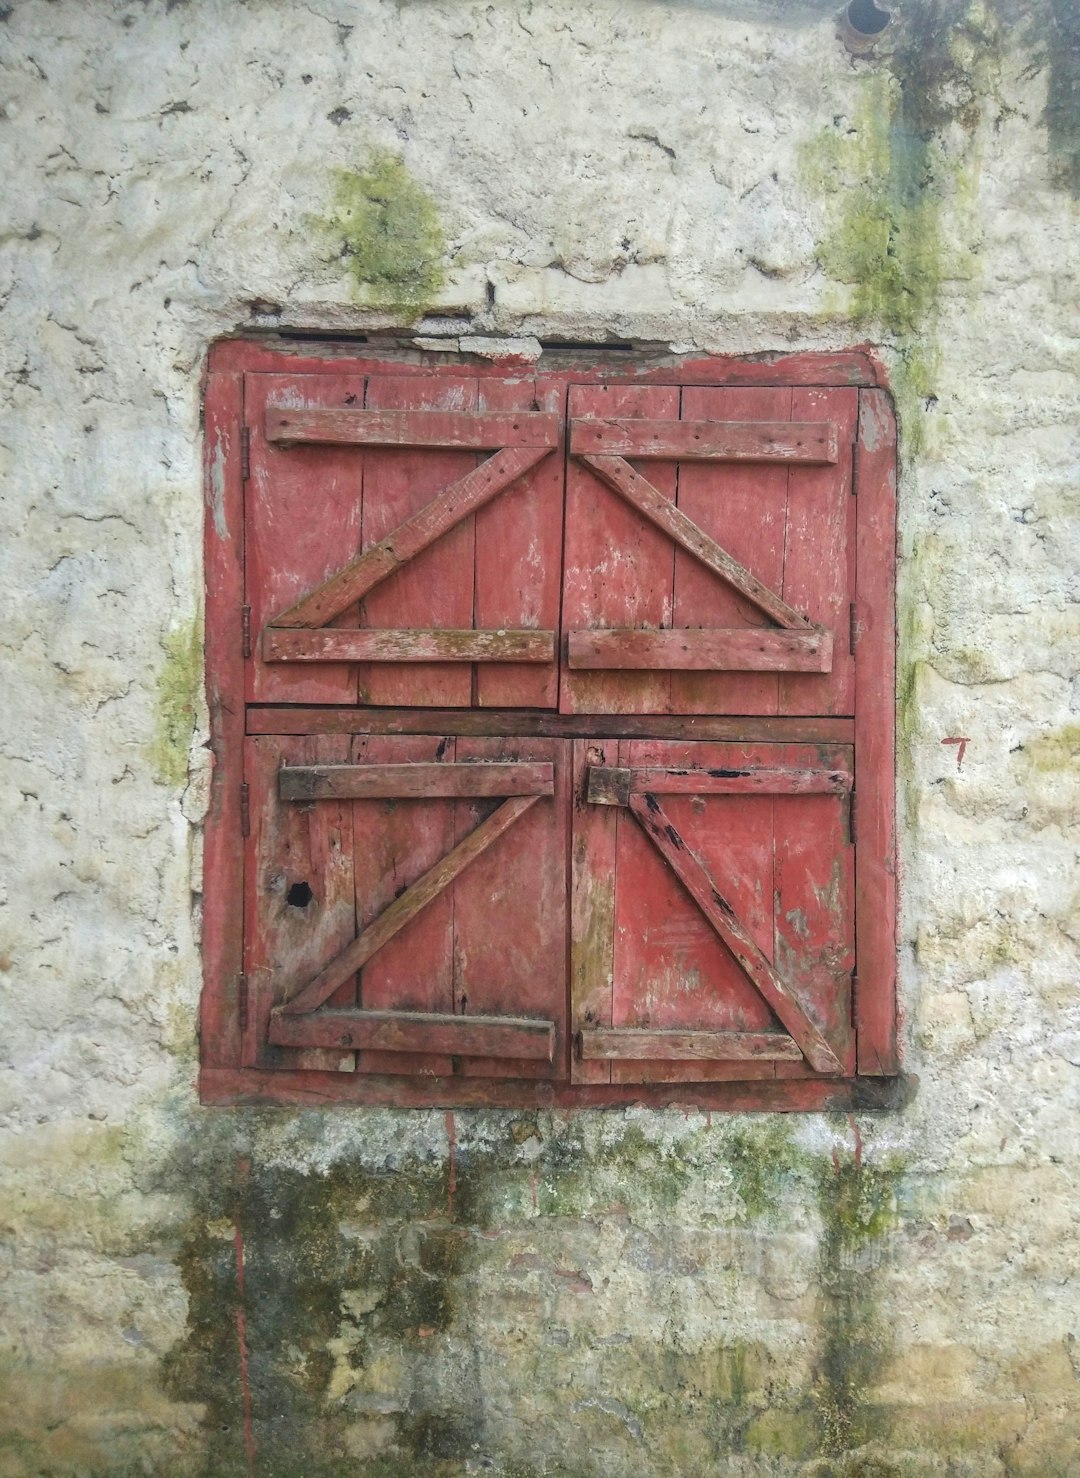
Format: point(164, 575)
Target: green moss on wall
point(387, 232)
point(177, 702)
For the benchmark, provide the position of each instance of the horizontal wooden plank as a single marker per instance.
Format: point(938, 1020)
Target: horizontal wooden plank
point(411, 1031)
point(473, 491)
point(639, 492)
point(614, 787)
point(813, 442)
point(443, 429)
point(631, 1043)
point(231, 1087)
point(405, 908)
point(344, 644)
point(736, 649)
point(371, 782)
point(344, 720)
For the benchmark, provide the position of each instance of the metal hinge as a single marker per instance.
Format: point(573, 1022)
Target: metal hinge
point(853, 628)
point(854, 1000)
point(245, 630)
point(245, 453)
point(245, 810)
point(242, 1002)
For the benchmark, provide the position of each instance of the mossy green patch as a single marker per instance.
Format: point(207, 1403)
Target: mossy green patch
point(177, 702)
point(387, 232)
point(857, 1201)
point(1054, 752)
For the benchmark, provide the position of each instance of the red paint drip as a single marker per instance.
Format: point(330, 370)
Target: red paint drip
point(961, 746)
point(858, 1140)
point(244, 1169)
point(451, 1183)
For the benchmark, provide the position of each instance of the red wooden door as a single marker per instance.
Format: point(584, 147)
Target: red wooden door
point(713, 923)
point(710, 551)
point(405, 908)
point(403, 540)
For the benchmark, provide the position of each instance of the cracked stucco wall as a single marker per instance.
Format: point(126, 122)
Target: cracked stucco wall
point(605, 1294)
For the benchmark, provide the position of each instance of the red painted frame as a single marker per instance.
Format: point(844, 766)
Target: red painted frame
point(223, 1080)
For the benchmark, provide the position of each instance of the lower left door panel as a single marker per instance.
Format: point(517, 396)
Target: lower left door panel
point(405, 905)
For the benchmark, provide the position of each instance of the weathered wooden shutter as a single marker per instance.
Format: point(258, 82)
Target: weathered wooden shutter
point(406, 905)
point(710, 551)
point(385, 565)
point(713, 930)
point(552, 720)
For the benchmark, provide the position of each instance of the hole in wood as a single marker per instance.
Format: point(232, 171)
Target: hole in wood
point(299, 895)
point(866, 18)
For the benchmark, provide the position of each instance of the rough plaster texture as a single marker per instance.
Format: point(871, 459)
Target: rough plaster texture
point(629, 1293)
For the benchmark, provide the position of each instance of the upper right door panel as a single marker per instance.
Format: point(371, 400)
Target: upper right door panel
point(710, 551)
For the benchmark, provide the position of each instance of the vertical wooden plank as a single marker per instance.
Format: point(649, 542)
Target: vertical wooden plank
point(592, 904)
point(299, 891)
point(519, 555)
point(436, 588)
point(397, 841)
point(671, 969)
point(223, 848)
point(819, 562)
point(814, 914)
point(303, 512)
point(618, 568)
point(875, 743)
point(744, 508)
point(510, 910)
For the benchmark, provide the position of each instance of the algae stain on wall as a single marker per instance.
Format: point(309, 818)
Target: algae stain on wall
point(177, 702)
point(388, 235)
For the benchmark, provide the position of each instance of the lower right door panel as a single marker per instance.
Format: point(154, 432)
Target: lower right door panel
point(712, 911)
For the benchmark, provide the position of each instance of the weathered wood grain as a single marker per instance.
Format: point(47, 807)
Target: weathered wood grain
point(422, 1032)
point(749, 649)
point(375, 781)
point(635, 1044)
point(331, 644)
point(445, 430)
point(615, 786)
point(617, 473)
point(705, 893)
point(407, 906)
point(729, 441)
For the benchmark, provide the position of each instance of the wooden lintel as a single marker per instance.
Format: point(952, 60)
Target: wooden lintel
point(457, 430)
point(422, 781)
point(410, 1031)
point(345, 644)
point(738, 649)
point(808, 442)
point(633, 1044)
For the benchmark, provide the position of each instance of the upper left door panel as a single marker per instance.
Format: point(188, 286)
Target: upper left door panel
point(403, 540)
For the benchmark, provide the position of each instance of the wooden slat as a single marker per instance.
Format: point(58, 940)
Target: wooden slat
point(635, 1044)
point(411, 1031)
point(412, 901)
point(592, 907)
point(457, 430)
point(436, 518)
point(875, 683)
point(338, 644)
point(640, 493)
point(728, 441)
point(701, 887)
point(377, 782)
point(616, 786)
point(440, 721)
point(747, 649)
point(618, 567)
